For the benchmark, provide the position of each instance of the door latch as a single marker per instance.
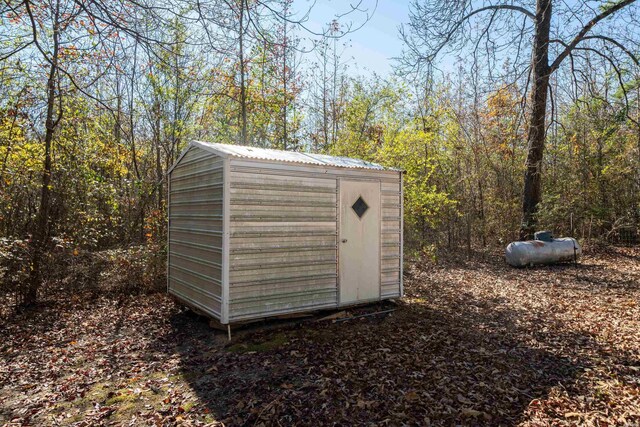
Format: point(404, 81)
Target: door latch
point(344, 240)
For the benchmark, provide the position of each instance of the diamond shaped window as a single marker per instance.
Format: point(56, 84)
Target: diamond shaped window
point(360, 207)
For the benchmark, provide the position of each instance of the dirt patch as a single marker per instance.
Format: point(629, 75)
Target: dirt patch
point(473, 342)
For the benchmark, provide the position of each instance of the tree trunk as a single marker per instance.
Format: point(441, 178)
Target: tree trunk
point(40, 235)
point(177, 111)
point(325, 101)
point(537, 122)
point(284, 85)
point(159, 174)
point(243, 89)
point(134, 160)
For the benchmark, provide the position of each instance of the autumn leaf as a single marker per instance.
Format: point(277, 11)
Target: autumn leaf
point(572, 415)
point(411, 396)
point(468, 412)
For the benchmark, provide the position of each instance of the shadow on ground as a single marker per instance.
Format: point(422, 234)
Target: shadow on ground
point(469, 361)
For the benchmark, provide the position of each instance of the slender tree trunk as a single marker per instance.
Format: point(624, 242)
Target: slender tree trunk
point(177, 110)
point(117, 135)
point(325, 101)
point(243, 89)
point(334, 96)
point(159, 174)
point(284, 86)
point(637, 207)
point(537, 122)
point(40, 235)
point(134, 160)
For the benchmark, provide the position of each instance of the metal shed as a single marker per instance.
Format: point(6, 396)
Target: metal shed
point(255, 233)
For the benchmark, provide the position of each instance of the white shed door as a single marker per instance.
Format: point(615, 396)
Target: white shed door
point(359, 241)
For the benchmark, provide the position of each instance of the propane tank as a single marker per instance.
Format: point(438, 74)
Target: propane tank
point(543, 250)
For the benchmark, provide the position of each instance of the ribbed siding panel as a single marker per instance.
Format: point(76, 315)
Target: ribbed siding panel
point(391, 237)
point(283, 240)
point(195, 231)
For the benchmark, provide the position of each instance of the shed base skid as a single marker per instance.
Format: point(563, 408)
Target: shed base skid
point(370, 308)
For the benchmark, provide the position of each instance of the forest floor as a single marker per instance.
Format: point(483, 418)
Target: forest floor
point(473, 342)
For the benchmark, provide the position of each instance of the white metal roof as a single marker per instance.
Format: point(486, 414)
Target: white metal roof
point(242, 151)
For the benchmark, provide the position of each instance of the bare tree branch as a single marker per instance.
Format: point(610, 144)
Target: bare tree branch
point(608, 11)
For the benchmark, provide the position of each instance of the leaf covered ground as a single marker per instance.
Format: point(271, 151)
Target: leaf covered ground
point(473, 342)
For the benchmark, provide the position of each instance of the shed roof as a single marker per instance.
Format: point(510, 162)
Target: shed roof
point(242, 151)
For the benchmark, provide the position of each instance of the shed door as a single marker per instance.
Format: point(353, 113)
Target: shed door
point(359, 242)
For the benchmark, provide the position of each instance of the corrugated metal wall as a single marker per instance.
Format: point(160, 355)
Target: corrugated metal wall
point(283, 236)
point(195, 230)
point(283, 241)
